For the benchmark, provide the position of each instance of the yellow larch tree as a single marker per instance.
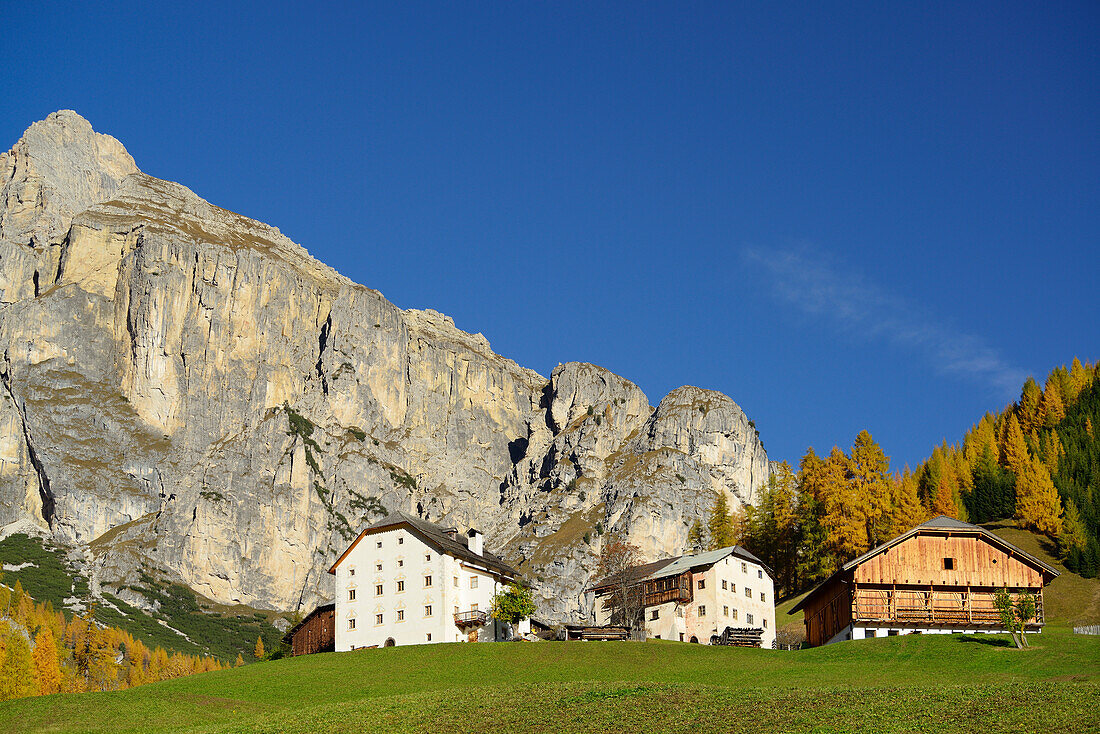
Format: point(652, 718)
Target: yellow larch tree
point(1014, 455)
point(259, 651)
point(1038, 506)
point(47, 666)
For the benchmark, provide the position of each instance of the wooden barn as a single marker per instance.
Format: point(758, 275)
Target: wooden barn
point(315, 633)
point(939, 577)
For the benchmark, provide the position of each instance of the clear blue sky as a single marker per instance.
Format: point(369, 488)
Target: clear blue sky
point(844, 216)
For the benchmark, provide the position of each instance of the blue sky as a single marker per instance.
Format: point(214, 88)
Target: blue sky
point(844, 216)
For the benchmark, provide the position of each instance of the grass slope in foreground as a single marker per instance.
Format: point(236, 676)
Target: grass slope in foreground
point(962, 683)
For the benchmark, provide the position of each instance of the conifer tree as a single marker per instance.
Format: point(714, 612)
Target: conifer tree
point(16, 668)
point(1073, 536)
point(845, 520)
point(259, 651)
point(868, 470)
point(47, 668)
point(1037, 504)
point(909, 512)
point(815, 560)
point(1054, 409)
point(720, 524)
point(696, 535)
point(1078, 381)
point(1030, 412)
point(239, 661)
point(1014, 452)
point(1052, 452)
point(944, 503)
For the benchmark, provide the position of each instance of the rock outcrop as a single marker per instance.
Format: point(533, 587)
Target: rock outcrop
point(188, 389)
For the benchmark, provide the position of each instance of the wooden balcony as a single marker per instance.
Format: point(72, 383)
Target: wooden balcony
point(673, 588)
point(472, 618)
point(912, 608)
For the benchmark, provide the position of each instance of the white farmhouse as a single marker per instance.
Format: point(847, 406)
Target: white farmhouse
point(696, 597)
point(405, 581)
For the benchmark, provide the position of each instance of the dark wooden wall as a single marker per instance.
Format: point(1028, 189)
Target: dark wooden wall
point(317, 634)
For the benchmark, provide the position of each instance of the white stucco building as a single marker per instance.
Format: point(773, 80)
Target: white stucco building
point(695, 597)
point(405, 581)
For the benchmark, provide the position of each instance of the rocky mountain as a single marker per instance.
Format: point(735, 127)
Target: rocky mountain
point(186, 389)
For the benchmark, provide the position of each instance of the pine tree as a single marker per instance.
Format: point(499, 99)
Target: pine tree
point(720, 524)
point(845, 520)
point(1054, 409)
point(1030, 411)
point(1078, 381)
point(944, 503)
point(868, 471)
point(239, 661)
point(908, 511)
point(1073, 536)
point(815, 559)
point(47, 669)
point(696, 536)
point(259, 651)
point(1037, 504)
point(1014, 452)
point(1052, 452)
point(17, 668)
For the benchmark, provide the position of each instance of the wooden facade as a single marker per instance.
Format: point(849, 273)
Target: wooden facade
point(670, 588)
point(940, 576)
point(315, 633)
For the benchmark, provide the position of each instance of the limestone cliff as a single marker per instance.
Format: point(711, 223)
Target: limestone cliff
point(186, 388)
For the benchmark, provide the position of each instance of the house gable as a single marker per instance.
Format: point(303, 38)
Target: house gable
point(949, 559)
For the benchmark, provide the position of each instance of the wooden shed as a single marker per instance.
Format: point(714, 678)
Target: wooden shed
point(939, 577)
point(315, 633)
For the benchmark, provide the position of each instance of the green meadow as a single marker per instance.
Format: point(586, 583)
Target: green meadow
point(960, 683)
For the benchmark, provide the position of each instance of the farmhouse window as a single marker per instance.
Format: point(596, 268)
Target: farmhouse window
point(702, 610)
point(748, 592)
point(351, 594)
point(427, 580)
point(473, 582)
point(378, 567)
point(456, 581)
point(400, 563)
point(379, 544)
point(759, 573)
point(725, 611)
point(744, 568)
point(378, 589)
point(351, 624)
point(761, 596)
point(401, 540)
point(351, 572)
point(429, 637)
point(765, 622)
point(725, 585)
point(400, 585)
point(378, 619)
point(427, 558)
point(702, 583)
point(681, 637)
point(654, 614)
point(748, 618)
point(427, 610)
point(948, 564)
point(679, 612)
point(400, 615)
point(734, 614)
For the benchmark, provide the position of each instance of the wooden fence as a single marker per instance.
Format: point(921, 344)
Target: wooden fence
point(1091, 629)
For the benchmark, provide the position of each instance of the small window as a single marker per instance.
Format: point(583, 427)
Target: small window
point(378, 567)
point(748, 592)
point(744, 568)
point(681, 637)
point(378, 589)
point(948, 564)
point(679, 612)
point(456, 582)
point(702, 584)
point(656, 637)
point(473, 607)
point(429, 637)
point(401, 540)
point(765, 622)
point(351, 594)
point(761, 596)
point(400, 585)
point(400, 615)
point(759, 573)
point(427, 610)
point(400, 564)
point(351, 572)
point(378, 619)
point(748, 619)
point(654, 614)
point(891, 633)
point(725, 611)
point(351, 624)
point(473, 582)
point(427, 580)
point(733, 587)
point(702, 610)
point(733, 613)
point(427, 558)
point(725, 584)
point(378, 544)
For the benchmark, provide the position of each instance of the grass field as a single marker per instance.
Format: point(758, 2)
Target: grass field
point(962, 683)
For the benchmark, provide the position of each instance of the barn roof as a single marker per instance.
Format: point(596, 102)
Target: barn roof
point(434, 535)
point(938, 524)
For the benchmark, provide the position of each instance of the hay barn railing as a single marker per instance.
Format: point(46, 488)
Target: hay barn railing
point(917, 607)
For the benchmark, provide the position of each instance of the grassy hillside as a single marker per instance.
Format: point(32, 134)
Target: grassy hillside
point(184, 622)
point(964, 683)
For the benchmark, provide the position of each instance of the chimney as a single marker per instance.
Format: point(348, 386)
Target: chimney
point(475, 541)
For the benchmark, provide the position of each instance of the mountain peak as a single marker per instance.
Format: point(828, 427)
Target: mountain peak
point(59, 167)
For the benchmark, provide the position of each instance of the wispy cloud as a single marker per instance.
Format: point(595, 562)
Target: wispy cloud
point(813, 282)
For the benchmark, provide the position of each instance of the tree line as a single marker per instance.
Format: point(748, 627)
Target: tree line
point(43, 651)
point(1037, 461)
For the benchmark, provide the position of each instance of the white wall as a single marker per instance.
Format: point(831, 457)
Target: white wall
point(404, 557)
point(865, 633)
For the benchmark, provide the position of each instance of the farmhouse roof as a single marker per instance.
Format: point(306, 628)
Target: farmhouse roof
point(433, 535)
point(938, 524)
point(679, 564)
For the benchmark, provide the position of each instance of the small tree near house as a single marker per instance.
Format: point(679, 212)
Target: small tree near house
point(1015, 614)
point(512, 605)
point(624, 602)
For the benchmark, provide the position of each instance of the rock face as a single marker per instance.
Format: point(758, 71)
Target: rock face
point(186, 388)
